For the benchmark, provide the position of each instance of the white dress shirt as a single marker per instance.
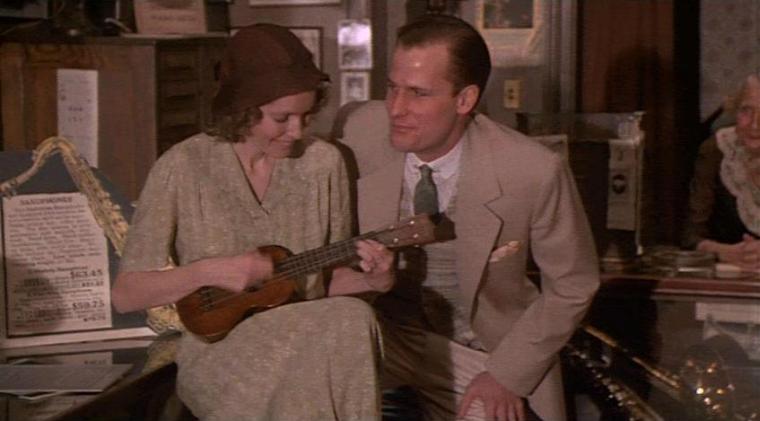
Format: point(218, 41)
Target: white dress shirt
point(445, 174)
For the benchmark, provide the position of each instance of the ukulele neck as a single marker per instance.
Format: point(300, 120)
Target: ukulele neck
point(312, 261)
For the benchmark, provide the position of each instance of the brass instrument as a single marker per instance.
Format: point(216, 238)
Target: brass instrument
point(107, 214)
point(614, 392)
point(717, 378)
point(713, 382)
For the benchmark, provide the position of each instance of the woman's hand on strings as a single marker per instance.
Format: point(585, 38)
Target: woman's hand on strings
point(236, 273)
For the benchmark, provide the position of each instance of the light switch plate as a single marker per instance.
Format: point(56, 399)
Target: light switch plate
point(511, 99)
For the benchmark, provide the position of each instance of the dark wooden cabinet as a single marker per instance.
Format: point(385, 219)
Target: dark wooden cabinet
point(152, 93)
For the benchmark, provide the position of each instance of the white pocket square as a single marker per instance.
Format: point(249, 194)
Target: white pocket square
point(506, 250)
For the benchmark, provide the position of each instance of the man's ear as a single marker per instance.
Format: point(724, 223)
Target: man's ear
point(467, 98)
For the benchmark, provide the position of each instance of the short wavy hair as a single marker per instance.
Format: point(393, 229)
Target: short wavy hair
point(234, 127)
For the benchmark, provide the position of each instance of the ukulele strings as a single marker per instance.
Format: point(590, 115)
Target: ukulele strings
point(313, 259)
point(293, 266)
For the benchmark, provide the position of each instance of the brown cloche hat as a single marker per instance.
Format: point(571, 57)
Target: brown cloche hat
point(261, 63)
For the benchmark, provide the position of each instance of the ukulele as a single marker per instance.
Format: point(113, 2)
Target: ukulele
point(211, 312)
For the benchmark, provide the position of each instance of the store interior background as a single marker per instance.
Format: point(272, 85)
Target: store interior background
point(673, 60)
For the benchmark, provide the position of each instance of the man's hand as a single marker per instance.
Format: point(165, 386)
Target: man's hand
point(376, 275)
point(499, 403)
point(377, 265)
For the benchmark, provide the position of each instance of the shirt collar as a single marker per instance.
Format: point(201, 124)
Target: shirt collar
point(444, 166)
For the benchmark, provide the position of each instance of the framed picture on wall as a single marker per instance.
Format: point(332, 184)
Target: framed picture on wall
point(354, 86)
point(158, 18)
point(290, 2)
point(511, 29)
point(354, 44)
point(505, 14)
point(311, 37)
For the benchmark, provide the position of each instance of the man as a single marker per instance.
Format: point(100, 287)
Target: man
point(464, 325)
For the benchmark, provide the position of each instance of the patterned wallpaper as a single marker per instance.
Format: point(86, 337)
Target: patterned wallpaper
point(730, 48)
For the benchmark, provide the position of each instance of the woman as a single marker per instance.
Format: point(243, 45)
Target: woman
point(725, 191)
point(213, 199)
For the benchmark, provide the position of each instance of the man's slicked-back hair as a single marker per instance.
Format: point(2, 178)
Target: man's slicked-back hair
point(470, 63)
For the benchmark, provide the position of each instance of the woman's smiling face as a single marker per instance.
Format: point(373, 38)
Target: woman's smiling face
point(281, 124)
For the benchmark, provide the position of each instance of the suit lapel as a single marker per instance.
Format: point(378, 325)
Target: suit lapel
point(477, 227)
point(379, 189)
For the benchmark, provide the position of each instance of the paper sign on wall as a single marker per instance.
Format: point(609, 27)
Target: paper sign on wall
point(56, 265)
point(78, 110)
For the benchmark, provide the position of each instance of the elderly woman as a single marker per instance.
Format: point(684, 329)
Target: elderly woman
point(724, 207)
point(213, 200)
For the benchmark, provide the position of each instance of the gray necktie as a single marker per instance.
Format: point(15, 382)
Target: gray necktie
point(425, 193)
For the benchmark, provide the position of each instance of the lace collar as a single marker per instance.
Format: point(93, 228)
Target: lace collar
point(737, 179)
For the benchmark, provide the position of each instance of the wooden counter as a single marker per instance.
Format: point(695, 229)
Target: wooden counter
point(747, 288)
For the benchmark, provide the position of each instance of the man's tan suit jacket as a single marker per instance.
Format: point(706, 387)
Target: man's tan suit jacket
point(514, 197)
